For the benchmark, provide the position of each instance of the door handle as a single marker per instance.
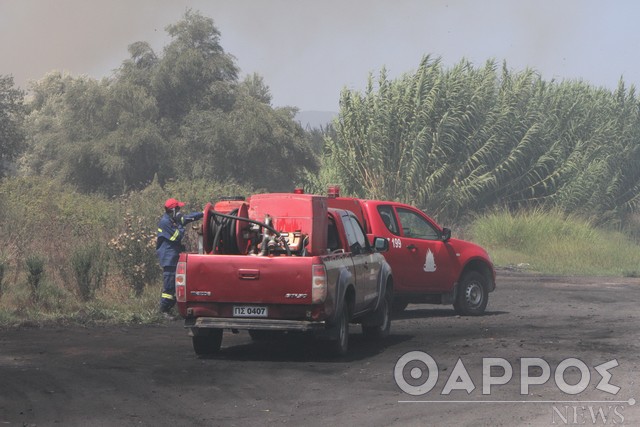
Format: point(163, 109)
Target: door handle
point(412, 247)
point(248, 274)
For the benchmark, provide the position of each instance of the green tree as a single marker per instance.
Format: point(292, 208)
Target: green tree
point(179, 115)
point(52, 124)
point(462, 140)
point(139, 68)
point(255, 87)
point(134, 149)
point(253, 144)
point(99, 136)
point(12, 112)
point(195, 71)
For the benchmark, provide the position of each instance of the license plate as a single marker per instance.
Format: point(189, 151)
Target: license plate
point(249, 311)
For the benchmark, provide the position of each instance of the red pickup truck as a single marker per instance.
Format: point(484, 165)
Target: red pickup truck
point(283, 262)
point(428, 265)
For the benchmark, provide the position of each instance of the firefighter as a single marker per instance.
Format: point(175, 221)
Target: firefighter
point(168, 248)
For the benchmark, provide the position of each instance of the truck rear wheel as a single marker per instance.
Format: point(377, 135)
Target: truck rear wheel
point(207, 342)
point(472, 295)
point(341, 345)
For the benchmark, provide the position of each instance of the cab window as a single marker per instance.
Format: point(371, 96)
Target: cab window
point(415, 226)
point(333, 240)
point(355, 236)
point(389, 219)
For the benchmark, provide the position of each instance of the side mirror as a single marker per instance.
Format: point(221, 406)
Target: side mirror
point(381, 244)
point(446, 234)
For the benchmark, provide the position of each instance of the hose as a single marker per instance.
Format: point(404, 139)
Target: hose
point(222, 229)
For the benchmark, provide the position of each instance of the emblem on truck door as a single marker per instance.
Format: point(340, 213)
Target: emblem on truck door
point(429, 263)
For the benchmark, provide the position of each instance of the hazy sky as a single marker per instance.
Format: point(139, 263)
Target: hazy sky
point(308, 50)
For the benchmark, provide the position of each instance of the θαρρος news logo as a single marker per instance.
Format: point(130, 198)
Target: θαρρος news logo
point(417, 373)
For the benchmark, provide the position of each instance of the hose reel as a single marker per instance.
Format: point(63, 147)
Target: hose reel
point(224, 233)
point(233, 233)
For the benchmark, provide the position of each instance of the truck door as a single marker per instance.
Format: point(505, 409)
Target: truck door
point(363, 260)
point(421, 260)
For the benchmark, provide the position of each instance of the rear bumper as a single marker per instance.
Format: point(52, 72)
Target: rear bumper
point(257, 324)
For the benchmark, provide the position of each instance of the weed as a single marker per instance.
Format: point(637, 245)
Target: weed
point(134, 253)
point(35, 271)
point(3, 268)
point(90, 265)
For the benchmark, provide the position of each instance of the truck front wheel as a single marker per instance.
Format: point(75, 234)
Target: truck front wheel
point(207, 342)
point(472, 295)
point(382, 329)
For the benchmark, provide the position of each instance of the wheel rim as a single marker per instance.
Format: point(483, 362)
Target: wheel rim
point(343, 332)
point(474, 294)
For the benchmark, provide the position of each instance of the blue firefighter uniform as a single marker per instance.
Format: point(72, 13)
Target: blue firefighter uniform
point(168, 248)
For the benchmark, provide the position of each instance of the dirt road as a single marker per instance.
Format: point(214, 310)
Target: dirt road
point(149, 375)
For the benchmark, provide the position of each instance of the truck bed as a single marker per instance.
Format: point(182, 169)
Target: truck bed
point(249, 279)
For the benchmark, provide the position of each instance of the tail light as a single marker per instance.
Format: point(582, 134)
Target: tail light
point(181, 282)
point(318, 283)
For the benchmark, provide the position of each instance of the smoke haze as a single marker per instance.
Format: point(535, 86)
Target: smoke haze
point(308, 50)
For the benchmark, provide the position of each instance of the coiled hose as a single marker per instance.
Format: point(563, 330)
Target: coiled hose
point(222, 231)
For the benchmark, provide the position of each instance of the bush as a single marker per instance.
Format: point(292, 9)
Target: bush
point(43, 217)
point(35, 272)
point(90, 265)
point(53, 302)
point(134, 253)
point(3, 268)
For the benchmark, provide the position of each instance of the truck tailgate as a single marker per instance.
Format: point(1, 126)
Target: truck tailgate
point(248, 279)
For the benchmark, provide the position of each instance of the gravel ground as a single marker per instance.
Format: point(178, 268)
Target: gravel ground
point(149, 375)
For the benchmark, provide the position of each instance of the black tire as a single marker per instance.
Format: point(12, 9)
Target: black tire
point(472, 295)
point(340, 345)
point(207, 342)
point(383, 312)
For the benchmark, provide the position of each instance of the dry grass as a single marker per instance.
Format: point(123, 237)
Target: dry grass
point(555, 243)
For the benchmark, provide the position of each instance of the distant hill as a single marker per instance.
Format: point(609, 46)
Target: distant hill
point(315, 119)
